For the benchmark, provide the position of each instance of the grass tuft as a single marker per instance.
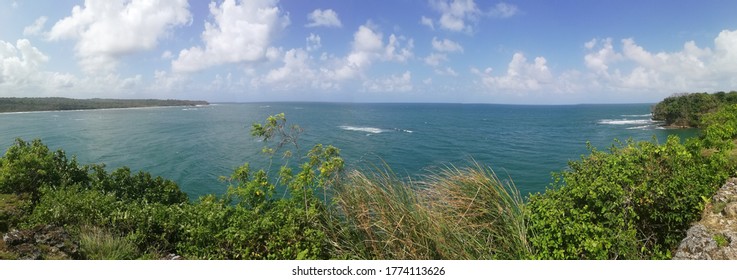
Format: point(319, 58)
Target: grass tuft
point(98, 244)
point(452, 214)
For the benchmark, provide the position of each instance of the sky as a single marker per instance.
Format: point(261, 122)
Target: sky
point(455, 51)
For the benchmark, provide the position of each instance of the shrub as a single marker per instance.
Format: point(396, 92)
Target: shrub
point(634, 202)
point(73, 206)
point(139, 186)
point(26, 167)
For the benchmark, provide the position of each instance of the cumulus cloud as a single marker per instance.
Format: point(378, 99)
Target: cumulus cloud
point(313, 42)
point(446, 45)
point(635, 68)
point(434, 59)
point(326, 18)
point(598, 60)
point(294, 74)
point(105, 30)
point(455, 14)
point(368, 46)
point(520, 75)
point(36, 27)
point(241, 32)
point(426, 21)
point(393, 83)
point(504, 10)
point(22, 74)
point(20, 63)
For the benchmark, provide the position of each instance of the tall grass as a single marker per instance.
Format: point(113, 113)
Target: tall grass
point(455, 213)
point(98, 244)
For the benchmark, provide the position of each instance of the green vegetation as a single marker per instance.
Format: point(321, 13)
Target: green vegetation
point(721, 240)
point(453, 214)
point(634, 201)
point(14, 104)
point(687, 110)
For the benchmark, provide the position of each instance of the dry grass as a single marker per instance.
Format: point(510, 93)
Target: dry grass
point(98, 244)
point(452, 214)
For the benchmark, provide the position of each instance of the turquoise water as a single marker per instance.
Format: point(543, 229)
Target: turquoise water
point(194, 146)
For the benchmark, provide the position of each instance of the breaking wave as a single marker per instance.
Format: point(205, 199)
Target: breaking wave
point(362, 128)
point(625, 122)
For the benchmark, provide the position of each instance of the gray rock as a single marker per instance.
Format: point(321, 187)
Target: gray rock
point(714, 237)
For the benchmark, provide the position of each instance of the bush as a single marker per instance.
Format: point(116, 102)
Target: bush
point(26, 167)
point(140, 186)
point(635, 202)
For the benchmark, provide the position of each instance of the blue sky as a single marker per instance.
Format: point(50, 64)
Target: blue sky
point(469, 51)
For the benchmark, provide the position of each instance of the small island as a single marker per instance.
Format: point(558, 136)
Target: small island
point(31, 104)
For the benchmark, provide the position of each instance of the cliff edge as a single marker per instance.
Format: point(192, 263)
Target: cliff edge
point(715, 236)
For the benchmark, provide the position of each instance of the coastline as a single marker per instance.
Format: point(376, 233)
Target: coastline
point(14, 105)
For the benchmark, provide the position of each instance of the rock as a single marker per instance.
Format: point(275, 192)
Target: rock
point(714, 237)
point(173, 257)
point(730, 211)
point(43, 242)
point(15, 237)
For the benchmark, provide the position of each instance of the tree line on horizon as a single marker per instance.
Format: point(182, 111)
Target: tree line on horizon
point(29, 104)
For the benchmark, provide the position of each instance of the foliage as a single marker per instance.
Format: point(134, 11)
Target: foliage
point(454, 214)
point(14, 104)
point(28, 166)
point(721, 127)
point(251, 221)
point(686, 110)
point(634, 202)
point(98, 244)
point(139, 186)
point(13, 210)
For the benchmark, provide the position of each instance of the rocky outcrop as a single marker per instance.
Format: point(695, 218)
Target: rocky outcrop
point(42, 242)
point(715, 236)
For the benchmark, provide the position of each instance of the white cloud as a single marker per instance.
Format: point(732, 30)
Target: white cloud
point(106, 30)
point(295, 73)
point(393, 83)
point(313, 42)
point(598, 61)
point(504, 10)
point(446, 45)
point(22, 74)
point(326, 18)
point(427, 22)
point(367, 47)
point(20, 63)
point(446, 72)
point(241, 32)
point(520, 75)
point(454, 14)
point(434, 59)
point(167, 55)
point(394, 50)
point(36, 27)
point(635, 68)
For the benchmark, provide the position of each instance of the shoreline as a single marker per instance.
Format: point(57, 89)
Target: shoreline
point(105, 109)
point(15, 105)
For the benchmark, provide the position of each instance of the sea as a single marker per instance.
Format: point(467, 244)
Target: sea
point(195, 146)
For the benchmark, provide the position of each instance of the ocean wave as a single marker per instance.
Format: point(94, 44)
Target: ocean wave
point(643, 127)
point(362, 128)
point(625, 122)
